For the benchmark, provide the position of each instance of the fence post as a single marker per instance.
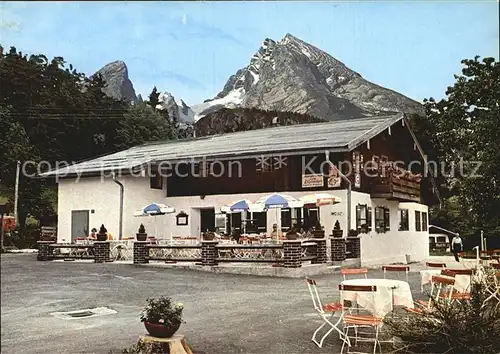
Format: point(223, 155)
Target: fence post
point(209, 253)
point(101, 251)
point(338, 249)
point(320, 251)
point(141, 252)
point(44, 251)
point(292, 253)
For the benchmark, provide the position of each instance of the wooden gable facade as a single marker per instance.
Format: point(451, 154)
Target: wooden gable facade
point(378, 166)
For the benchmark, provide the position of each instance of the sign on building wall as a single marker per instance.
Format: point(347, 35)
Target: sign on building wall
point(358, 161)
point(333, 177)
point(312, 180)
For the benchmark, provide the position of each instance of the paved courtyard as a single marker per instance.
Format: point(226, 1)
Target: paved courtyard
point(224, 313)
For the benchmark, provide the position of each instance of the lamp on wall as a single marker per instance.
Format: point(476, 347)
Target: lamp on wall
point(182, 219)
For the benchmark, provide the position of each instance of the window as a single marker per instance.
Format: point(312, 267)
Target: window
point(156, 181)
point(382, 219)
point(286, 219)
point(404, 223)
point(363, 217)
point(309, 217)
point(424, 221)
point(256, 221)
point(418, 225)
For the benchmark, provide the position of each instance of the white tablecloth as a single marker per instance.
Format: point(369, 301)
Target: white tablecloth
point(388, 290)
point(462, 282)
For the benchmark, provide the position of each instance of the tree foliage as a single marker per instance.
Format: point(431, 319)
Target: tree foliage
point(461, 131)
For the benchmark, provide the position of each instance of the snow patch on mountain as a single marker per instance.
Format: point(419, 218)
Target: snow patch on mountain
point(178, 110)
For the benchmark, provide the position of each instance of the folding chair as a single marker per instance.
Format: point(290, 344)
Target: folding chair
point(441, 288)
point(435, 265)
point(326, 313)
point(495, 265)
point(359, 321)
point(346, 271)
point(494, 294)
point(396, 268)
point(456, 294)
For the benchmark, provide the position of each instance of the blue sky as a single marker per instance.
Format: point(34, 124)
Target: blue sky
point(190, 49)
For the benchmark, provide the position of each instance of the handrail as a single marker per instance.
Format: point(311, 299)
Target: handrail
point(443, 229)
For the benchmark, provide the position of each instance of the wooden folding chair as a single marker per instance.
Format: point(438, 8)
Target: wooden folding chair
point(326, 313)
point(396, 268)
point(352, 271)
point(358, 321)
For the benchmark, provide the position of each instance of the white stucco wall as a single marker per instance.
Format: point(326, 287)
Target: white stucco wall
point(103, 196)
point(392, 246)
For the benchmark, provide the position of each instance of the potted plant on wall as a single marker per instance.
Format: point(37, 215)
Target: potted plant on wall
point(141, 234)
point(102, 235)
point(292, 233)
point(209, 235)
point(337, 231)
point(364, 229)
point(318, 230)
point(161, 317)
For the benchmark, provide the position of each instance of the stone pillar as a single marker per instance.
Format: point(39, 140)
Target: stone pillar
point(45, 252)
point(141, 252)
point(101, 251)
point(338, 249)
point(209, 253)
point(356, 247)
point(320, 252)
point(292, 253)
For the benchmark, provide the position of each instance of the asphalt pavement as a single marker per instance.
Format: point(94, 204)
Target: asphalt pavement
point(224, 313)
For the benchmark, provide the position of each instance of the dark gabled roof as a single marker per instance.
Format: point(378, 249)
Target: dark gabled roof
point(341, 135)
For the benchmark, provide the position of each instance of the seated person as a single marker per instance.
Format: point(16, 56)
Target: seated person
point(235, 235)
point(93, 234)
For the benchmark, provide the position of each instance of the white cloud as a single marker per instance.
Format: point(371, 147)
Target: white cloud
point(184, 19)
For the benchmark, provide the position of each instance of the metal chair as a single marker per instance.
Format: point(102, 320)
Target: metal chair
point(326, 313)
point(358, 321)
point(352, 271)
point(396, 268)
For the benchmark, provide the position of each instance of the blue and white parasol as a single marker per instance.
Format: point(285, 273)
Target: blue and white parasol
point(154, 209)
point(238, 206)
point(276, 201)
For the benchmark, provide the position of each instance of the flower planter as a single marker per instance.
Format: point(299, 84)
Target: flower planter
point(209, 236)
point(319, 234)
point(352, 233)
point(291, 236)
point(141, 237)
point(161, 330)
point(102, 237)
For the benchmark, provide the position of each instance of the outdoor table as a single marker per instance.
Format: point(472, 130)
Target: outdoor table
point(462, 281)
point(389, 293)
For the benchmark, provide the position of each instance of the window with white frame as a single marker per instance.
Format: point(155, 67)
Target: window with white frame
point(418, 221)
point(363, 217)
point(404, 222)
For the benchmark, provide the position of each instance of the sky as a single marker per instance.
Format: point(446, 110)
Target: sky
point(191, 48)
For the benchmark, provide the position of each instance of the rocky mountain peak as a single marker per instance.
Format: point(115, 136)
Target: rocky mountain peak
point(293, 75)
point(118, 84)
